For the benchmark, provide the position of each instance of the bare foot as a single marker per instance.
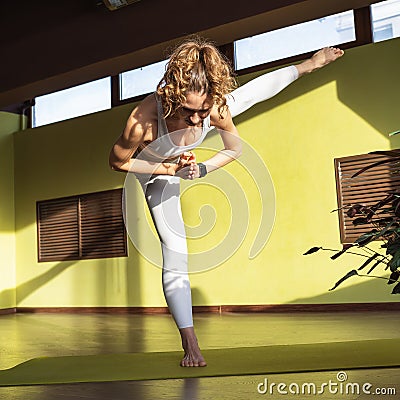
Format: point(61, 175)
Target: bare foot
point(321, 58)
point(192, 357)
point(325, 56)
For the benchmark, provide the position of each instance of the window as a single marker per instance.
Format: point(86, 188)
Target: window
point(294, 40)
point(81, 227)
point(366, 189)
point(383, 32)
point(347, 29)
point(385, 20)
point(73, 102)
point(141, 80)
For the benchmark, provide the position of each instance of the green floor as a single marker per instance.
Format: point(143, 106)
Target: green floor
point(26, 336)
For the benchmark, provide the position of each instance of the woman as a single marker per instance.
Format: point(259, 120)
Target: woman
point(196, 94)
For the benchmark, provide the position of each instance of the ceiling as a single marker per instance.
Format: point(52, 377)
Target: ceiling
point(49, 45)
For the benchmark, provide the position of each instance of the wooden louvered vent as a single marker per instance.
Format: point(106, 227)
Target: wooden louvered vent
point(81, 227)
point(367, 188)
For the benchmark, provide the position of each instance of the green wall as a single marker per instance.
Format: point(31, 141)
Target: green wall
point(9, 123)
point(347, 108)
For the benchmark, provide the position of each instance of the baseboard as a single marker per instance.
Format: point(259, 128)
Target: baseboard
point(93, 310)
point(6, 311)
point(258, 308)
point(292, 308)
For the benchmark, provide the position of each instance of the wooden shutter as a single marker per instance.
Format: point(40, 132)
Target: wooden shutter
point(81, 227)
point(58, 231)
point(102, 225)
point(367, 188)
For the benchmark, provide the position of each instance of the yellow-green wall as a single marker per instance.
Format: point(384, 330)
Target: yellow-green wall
point(9, 123)
point(347, 108)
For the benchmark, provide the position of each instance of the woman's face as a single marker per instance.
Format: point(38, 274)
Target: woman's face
point(196, 108)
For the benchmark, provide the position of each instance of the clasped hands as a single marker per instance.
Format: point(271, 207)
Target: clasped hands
point(186, 168)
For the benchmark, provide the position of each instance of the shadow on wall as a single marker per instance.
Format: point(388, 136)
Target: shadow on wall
point(359, 290)
point(28, 287)
point(129, 282)
point(65, 158)
point(7, 184)
point(369, 83)
point(198, 297)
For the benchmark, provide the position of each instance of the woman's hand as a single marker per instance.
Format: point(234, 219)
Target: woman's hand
point(187, 158)
point(187, 167)
point(191, 171)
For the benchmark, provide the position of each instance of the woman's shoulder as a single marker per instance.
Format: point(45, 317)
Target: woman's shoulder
point(146, 109)
point(149, 103)
point(220, 117)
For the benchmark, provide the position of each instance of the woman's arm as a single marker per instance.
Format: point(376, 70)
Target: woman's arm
point(121, 160)
point(232, 147)
point(137, 126)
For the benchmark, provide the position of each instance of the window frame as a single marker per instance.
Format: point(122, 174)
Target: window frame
point(226, 49)
point(32, 117)
point(363, 30)
point(362, 22)
point(245, 52)
point(387, 18)
point(364, 35)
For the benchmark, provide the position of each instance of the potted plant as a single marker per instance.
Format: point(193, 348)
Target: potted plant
point(382, 220)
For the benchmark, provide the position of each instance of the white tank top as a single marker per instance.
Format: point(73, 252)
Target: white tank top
point(163, 148)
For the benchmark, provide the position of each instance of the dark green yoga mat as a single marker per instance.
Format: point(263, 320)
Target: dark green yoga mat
point(221, 362)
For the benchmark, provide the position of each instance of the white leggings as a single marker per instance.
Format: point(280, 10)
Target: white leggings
point(162, 194)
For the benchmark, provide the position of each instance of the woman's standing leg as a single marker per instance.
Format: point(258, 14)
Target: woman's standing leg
point(163, 198)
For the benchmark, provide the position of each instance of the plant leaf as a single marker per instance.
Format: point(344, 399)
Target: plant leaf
point(396, 289)
point(385, 230)
point(396, 206)
point(354, 210)
point(361, 221)
point(312, 250)
point(394, 276)
point(384, 221)
point(393, 247)
point(348, 275)
point(394, 263)
point(390, 197)
point(366, 238)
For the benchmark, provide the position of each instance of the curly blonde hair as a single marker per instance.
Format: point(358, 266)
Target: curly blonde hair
point(196, 65)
